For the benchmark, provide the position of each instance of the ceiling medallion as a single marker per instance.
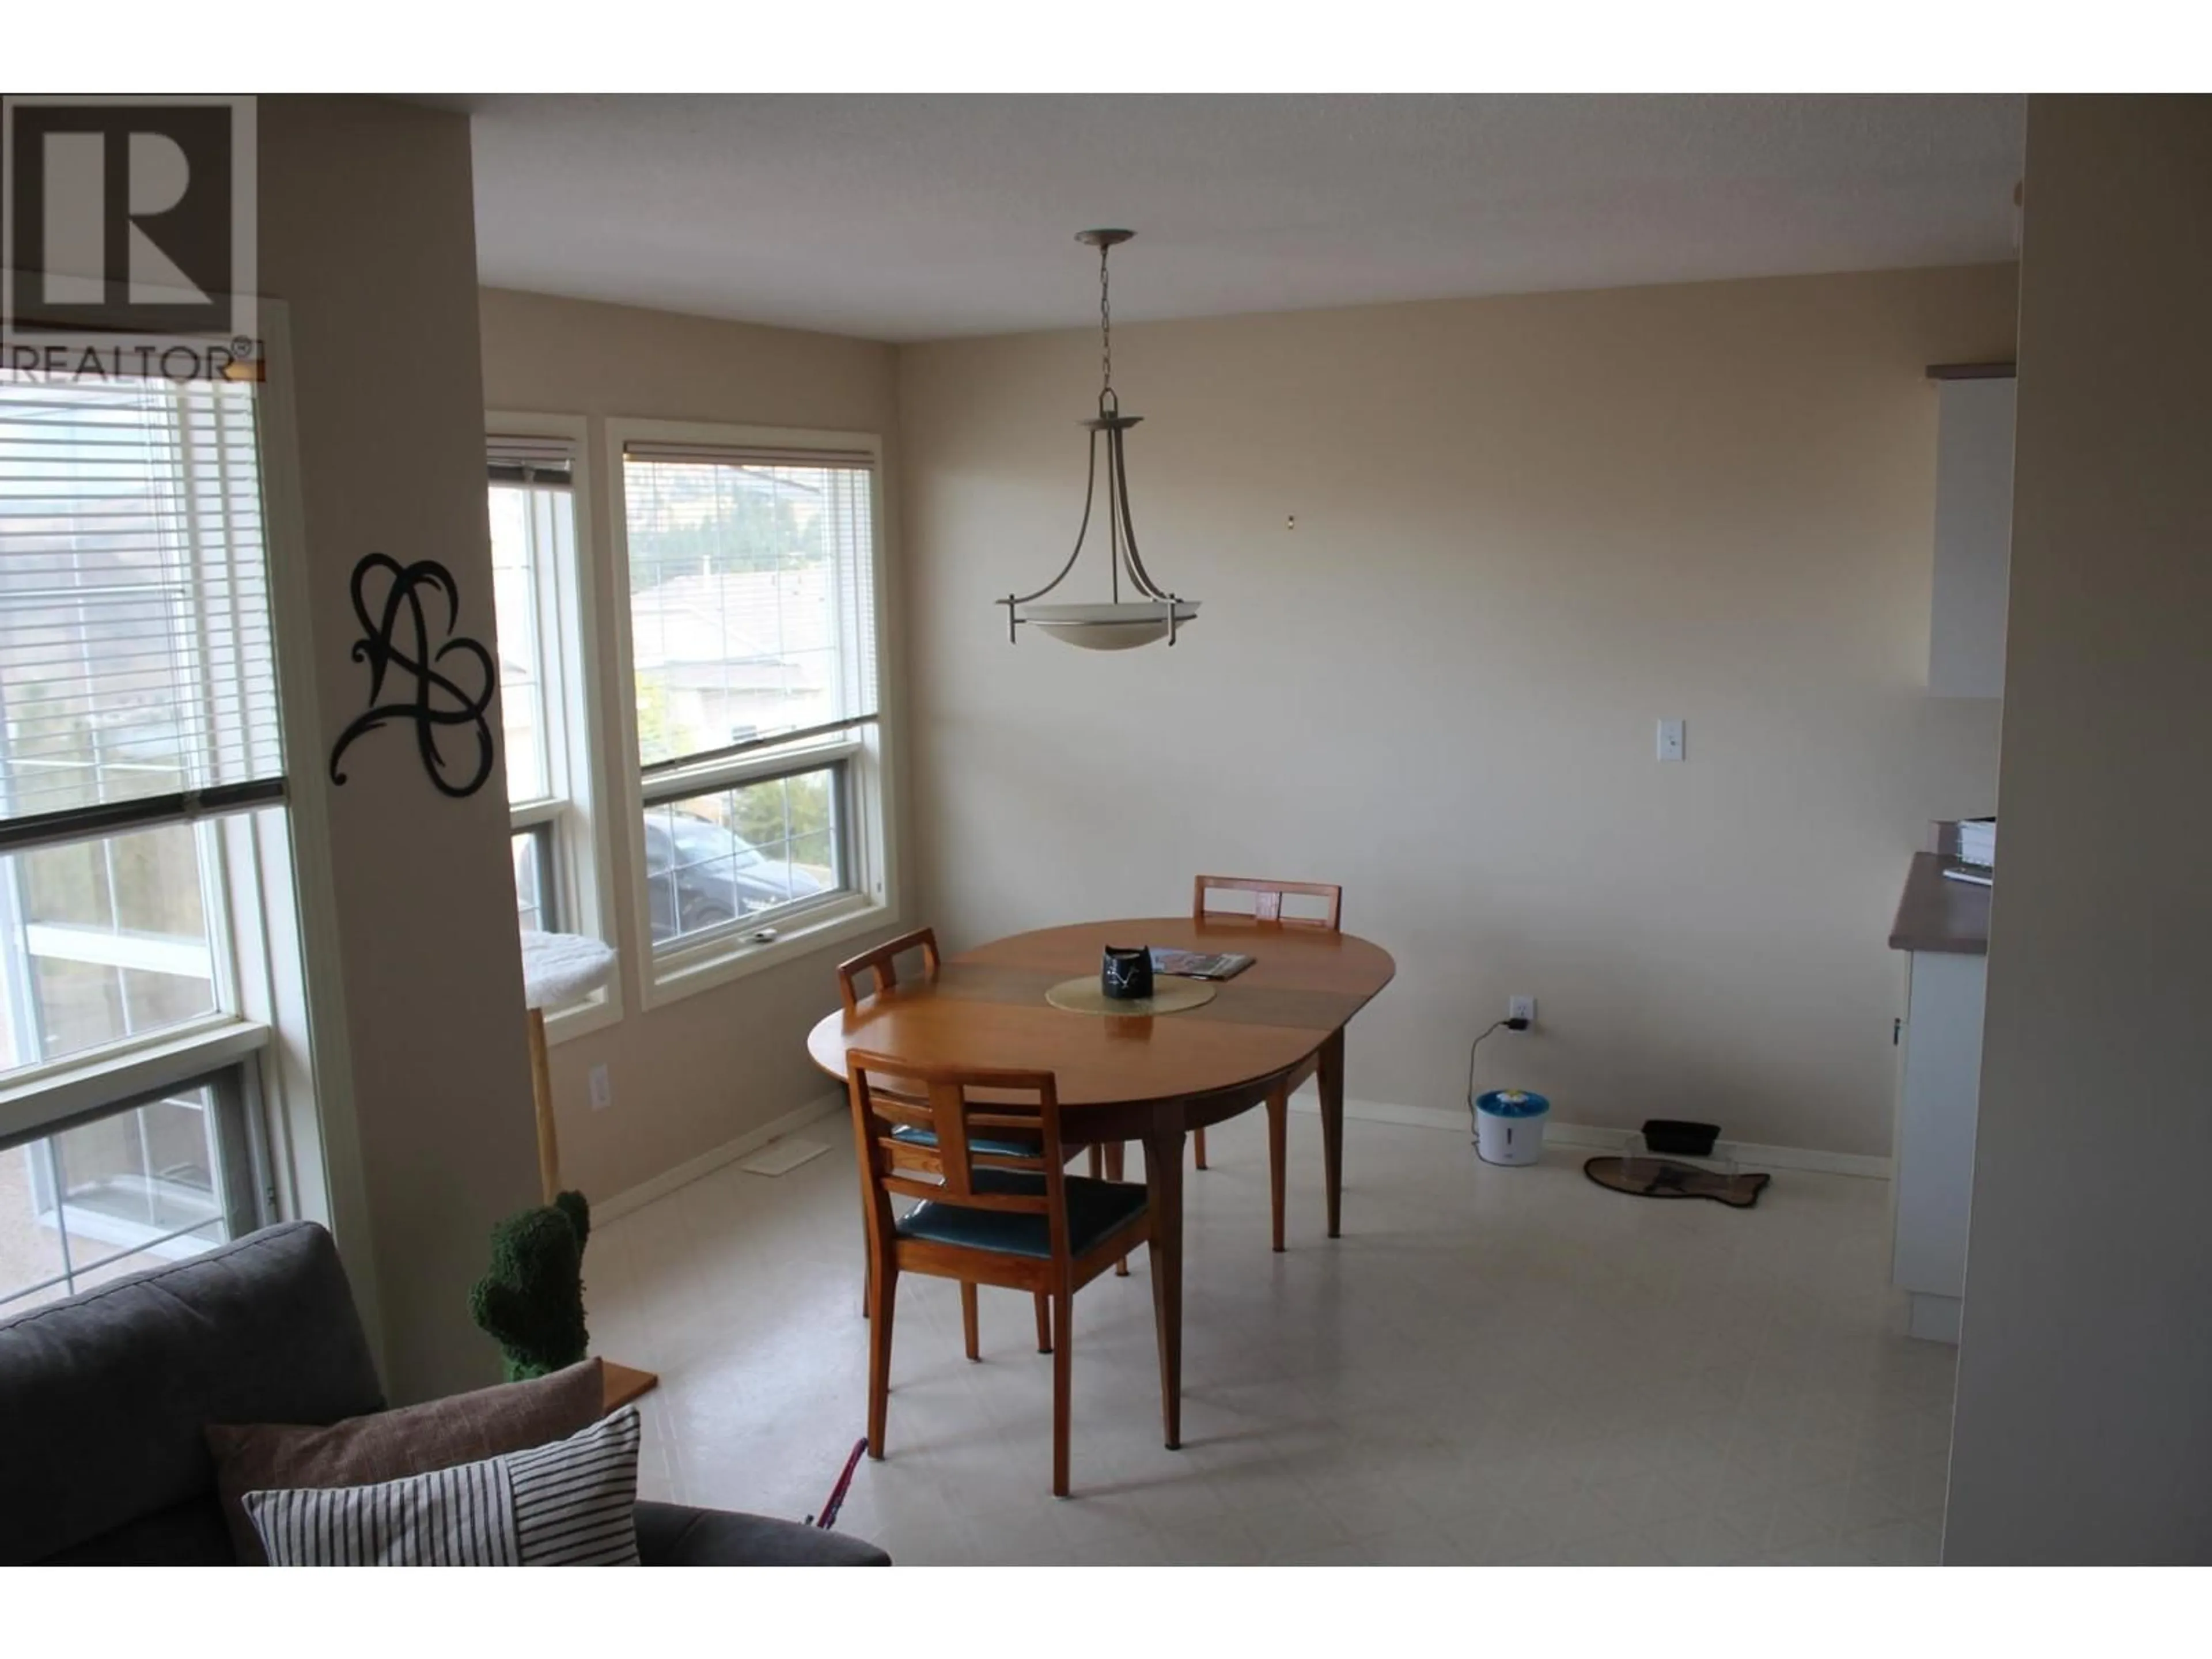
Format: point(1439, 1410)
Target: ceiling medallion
point(1152, 613)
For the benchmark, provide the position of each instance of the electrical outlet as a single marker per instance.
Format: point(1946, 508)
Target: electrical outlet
point(1521, 1008)
point(603, 1089)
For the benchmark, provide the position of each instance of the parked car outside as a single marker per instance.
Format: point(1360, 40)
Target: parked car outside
point(699, 875)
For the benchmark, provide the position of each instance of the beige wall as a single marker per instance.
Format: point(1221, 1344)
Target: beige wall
point(368, 234)
point(1527, 529)
point(693, 1074)
point(2083, 1432)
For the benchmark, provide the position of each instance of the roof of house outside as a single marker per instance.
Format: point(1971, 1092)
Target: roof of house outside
point(740, 629)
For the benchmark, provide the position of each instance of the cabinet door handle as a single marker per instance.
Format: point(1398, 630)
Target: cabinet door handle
point(1896, 1032)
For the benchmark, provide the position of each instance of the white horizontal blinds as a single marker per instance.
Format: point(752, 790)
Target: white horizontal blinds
point(752, 455)
point(137, 674)
point(547, 462)
point(752, 604)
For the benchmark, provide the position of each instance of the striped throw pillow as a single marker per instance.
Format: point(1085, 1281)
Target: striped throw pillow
point(566, 1504)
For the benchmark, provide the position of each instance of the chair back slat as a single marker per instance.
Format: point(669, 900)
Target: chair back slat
point(1267, 900)
point(920, 1155)
point(889, 1166)
point(948, 1110)
point(985, 1120)
point(906, 1113)
point(1012, 1203)
point(882, 962)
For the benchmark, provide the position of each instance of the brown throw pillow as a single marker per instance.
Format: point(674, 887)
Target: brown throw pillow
point(365, 1451)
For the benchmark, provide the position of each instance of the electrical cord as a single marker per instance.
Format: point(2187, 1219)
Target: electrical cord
point(1513, 1024)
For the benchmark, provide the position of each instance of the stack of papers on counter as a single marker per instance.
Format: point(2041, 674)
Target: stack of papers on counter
point(1978, 842)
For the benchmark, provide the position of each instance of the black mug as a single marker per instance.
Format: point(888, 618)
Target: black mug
point(1127, 974)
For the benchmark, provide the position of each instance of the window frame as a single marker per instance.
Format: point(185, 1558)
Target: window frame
point(579, 860)
point(539, 821)
point(237, 1132)
point(870, 900)
point(215, 878)
point(279, 1049)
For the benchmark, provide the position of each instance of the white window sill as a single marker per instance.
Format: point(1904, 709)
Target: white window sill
point(674, 975)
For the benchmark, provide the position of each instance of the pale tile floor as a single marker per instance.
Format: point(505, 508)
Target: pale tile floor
point(1490, 1366)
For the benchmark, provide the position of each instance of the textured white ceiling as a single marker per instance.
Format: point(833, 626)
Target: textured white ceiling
point(904, 218)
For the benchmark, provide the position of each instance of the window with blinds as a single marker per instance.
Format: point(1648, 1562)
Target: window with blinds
point(138, 673)
point(752, 600)
point(752, 615)
point(138, 697)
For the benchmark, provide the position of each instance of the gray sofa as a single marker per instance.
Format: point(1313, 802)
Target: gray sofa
point(103, 1398)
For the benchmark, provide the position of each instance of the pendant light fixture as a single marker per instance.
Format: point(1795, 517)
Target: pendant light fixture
point(1150, 612)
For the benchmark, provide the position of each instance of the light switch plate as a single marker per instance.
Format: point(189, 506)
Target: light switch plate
point(1670, 740)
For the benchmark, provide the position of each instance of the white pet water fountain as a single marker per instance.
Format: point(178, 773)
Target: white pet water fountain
point(1509, 1123)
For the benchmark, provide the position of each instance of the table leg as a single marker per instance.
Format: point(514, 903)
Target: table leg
point(1332, 1123)
point(1163, 1176)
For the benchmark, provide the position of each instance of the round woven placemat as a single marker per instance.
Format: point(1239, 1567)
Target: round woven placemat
point(1169, 996)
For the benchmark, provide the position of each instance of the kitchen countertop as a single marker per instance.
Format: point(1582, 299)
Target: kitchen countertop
point(1936, 914)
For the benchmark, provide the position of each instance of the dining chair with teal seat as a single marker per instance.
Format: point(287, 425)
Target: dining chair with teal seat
point(1267, 898)
point(1015, 1219)
point(881, 964)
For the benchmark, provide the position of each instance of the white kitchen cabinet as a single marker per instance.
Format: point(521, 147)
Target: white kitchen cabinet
point(1944, 926)
point(1973, 538)
point(1937, 1105)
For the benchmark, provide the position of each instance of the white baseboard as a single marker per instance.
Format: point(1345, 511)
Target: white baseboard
point(1595, 1137)
point(1598, 1138)
point(635, 1198)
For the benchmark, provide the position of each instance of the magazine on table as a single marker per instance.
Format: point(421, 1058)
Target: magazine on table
point(1199, 964)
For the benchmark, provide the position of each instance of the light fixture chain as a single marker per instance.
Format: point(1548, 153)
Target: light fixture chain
point(1147, 611)
point(1105, 324)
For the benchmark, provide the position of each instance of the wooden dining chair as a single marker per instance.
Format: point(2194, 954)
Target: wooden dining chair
point(989, 1213)
point(882, 963)
point(1267, 898)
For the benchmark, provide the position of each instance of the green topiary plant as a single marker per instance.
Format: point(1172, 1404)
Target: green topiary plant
point(532, 1302)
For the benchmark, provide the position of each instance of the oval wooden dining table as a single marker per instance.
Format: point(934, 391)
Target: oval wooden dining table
point(1149, 1078)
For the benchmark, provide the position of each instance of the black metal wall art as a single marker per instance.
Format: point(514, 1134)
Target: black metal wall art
point(395, 642)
